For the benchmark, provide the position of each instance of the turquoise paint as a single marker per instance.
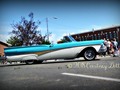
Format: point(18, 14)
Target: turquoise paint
point(76, 44)
point(32, 49)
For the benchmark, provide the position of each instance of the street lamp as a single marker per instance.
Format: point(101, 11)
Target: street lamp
point(47, 28)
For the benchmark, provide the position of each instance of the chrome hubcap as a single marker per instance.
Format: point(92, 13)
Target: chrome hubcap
point(89, 54)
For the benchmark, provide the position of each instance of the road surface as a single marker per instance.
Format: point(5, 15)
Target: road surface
point(100, 74)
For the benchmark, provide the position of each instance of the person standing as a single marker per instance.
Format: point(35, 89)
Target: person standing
point(111, 47)
point(115, 47)
point(108, 46)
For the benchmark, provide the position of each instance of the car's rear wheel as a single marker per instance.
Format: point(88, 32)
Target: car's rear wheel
point(29, 61)
point(89, 54)
point(33, 62)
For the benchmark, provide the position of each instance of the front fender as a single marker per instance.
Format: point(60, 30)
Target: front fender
point(81, 53)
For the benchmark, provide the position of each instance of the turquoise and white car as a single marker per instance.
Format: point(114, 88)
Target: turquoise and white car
point(68, 50)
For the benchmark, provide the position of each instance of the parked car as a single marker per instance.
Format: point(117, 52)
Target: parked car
point(68, 50)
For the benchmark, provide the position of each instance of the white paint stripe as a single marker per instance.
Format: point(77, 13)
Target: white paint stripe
point(94, 77)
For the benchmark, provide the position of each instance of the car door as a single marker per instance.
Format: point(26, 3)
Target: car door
point(60, 51)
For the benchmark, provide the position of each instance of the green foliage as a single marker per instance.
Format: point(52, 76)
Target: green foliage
point(25, 33)
point(62, 41)
point(46, 42)
point(14, 41)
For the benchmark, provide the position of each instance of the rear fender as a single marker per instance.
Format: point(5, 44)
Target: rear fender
point(30, 57)
point(22, 57)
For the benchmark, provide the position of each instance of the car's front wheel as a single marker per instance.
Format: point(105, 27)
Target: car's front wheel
point(89, 54)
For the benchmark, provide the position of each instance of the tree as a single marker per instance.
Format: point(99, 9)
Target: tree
point(25, 32)
point(62, 41)
point(14, 41)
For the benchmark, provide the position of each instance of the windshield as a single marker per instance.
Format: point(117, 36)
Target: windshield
point(69, 39)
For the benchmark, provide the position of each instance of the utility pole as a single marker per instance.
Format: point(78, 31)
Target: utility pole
point(47, 29)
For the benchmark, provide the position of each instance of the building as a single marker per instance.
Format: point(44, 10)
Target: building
point(108, 33)
point(2, 46)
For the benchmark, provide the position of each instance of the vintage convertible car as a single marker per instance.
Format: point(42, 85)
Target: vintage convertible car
point(68, 50)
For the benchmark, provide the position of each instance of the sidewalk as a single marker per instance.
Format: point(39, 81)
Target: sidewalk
point(107, 56)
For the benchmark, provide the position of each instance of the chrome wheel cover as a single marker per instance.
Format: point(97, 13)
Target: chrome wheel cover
point(89, 54)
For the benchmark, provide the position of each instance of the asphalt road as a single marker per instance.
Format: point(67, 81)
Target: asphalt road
point(100, 74)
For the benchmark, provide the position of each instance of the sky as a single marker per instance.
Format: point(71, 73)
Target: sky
point(64, 16)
